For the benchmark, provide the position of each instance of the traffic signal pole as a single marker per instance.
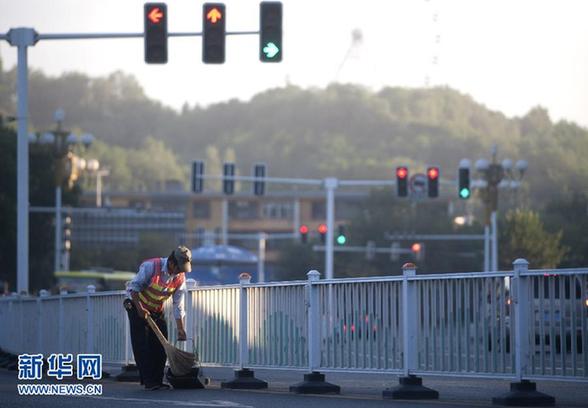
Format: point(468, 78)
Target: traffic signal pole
point(22, 38)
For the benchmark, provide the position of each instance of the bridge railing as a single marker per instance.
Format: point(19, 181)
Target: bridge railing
point(513, 324)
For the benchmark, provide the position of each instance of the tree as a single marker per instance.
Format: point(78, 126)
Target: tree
point(524, 236)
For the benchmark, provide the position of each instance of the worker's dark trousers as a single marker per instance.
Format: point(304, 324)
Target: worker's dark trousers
point(149, 353)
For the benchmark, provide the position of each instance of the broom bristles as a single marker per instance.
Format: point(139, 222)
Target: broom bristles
point(180, 361)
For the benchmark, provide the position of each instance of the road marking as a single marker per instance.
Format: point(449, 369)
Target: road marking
point(211, 403)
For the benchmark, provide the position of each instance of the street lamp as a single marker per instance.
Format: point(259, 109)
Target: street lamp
point(94, 167)
point(495, 175)
point(68, 166)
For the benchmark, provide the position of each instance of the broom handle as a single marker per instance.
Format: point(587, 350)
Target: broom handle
point(156, 330)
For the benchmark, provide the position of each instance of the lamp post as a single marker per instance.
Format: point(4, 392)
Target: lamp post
point(493, 174)
point(67, 169)
point(94, 167)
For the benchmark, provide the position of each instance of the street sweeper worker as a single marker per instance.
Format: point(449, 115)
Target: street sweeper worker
point(157, 280)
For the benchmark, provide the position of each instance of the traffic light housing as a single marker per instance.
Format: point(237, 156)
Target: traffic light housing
point(197, 176)
point(402, 181)
point(228, 182)
point(155, 17)
point(322, 230)
point(433, 182)
point(341, 237)
point(259, 175)
point(213, 33)
point(270, 31)
point(464, 191)
point(67, 233)
point(303, 233)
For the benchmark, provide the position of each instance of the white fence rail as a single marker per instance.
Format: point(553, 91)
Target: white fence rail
point(516, 324)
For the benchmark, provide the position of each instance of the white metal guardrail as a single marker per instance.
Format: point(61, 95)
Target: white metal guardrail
point(515, 324)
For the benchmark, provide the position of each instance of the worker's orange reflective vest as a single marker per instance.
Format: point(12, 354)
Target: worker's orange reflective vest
point(154, 295)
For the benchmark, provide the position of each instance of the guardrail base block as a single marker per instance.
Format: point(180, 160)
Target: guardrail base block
point(314, 383)
point(129, 373)
point(410, 388)
point(524, 394)
point(244, 380)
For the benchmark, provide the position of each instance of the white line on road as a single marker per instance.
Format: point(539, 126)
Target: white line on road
point(212, 403)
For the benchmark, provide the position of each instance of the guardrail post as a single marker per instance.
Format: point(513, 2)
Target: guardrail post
point(522, 392)
point(410, 386)
point(61, 323)
point(91, 289)
point(314, 382)
point(42, 293)
point(129, 372)
point(244, 377)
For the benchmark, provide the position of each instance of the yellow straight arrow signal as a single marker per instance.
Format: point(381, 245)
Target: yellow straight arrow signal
point(214, 15)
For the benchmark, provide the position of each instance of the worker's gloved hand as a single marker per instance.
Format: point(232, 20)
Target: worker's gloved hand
point(181, 334)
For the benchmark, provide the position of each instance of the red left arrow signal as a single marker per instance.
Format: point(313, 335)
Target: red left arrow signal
point(155, 15)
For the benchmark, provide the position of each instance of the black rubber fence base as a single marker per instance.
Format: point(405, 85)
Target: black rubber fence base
point(524, 394)
point(410, 388)
point(314, 383)
point(244, 380)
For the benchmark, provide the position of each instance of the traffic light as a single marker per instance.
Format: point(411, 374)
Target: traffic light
point(433, 181)
point(213, 33)
point(259, 183)
point(67, 232)
point(402, 181)
point(270, 31)
point(418, 250)
point(303, 233)
point(341, 238)
point(155, 33)
point(228, 182)
point(197, 176)
point(322, 230)
point(464, 190)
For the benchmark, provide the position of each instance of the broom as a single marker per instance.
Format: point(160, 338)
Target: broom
point(180, 361)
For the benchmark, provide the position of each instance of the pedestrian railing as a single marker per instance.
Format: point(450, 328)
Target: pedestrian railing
point(520, 324)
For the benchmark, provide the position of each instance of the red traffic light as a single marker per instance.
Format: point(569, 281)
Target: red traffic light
point(432, 173)
point(303, 229)
point(322, 228)
point(401, 172)
point(416, 247)
point(155, 15)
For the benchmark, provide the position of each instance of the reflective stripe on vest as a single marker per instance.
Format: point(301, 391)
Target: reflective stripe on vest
point(154, 295)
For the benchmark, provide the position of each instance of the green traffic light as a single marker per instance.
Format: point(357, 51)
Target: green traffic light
point(270, 50)
point(464, 193)
point(341, 240)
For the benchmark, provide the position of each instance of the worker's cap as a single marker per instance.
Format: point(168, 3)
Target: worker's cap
point(183, 258)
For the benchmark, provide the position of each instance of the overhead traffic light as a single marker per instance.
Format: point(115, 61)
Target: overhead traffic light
point(197, 176)
point(464, 190)
point(259, 183)
point(402, 181)
point(322, 230)
point(341, 237)
point(213, 33)
point(270, 31)
point(155, 16)
point(228, 181)
point(303, 233)
point(433, 181)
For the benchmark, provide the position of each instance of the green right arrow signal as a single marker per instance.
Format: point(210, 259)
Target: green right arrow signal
point(270, 50)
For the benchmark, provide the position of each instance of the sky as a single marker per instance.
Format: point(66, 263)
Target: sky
point(510, 55)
